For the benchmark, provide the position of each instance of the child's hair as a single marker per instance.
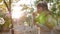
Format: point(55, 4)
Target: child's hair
point(43, 5)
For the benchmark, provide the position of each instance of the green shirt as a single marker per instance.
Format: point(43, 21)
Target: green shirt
point(41, 18)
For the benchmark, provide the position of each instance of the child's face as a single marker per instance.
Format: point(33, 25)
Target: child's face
point(39, 9)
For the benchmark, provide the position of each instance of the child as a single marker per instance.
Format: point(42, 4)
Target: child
point(41, 18)
point(42, 12)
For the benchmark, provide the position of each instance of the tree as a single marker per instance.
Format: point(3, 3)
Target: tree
point(6, 7)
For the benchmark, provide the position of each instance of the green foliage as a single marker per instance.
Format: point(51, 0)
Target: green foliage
point(31, 10)
point(0, 15)
point(7, 21)
point(5, 7)
point(56, 8)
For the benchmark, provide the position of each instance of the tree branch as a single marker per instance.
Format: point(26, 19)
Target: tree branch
point(6, 5)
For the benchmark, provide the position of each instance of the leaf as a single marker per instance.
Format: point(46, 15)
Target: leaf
point(3, 7)
point(25, 7)
point(31, 10)
point(58, 13)
point(59, 7)
point(7, 21)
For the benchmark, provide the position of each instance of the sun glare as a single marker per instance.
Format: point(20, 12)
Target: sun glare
point(16, 13)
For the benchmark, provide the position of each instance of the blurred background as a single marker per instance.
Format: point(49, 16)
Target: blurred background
point(13, 15)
